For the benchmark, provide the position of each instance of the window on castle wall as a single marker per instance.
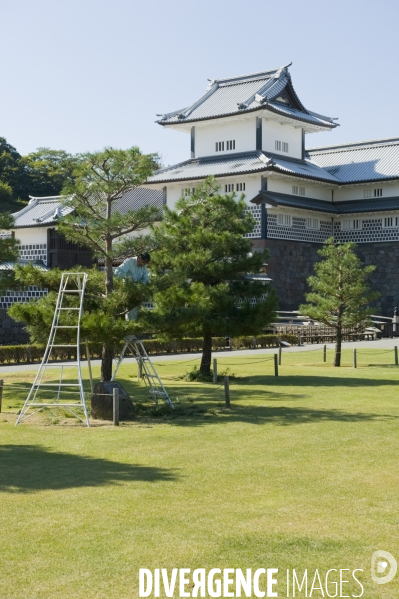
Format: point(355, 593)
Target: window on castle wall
point(298, 191)
point(186, 192)
point(378, 192)
point(367, 193)
point(390, 222)
point(284, 220)
point(229, 187)
point(280, 146)
point(220, 146)
point(312, 223)
point(351, 224)
point(231, 144)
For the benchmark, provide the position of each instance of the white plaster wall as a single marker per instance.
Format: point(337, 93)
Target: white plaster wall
point(319, 192)
point(31, 235)
point(252, 187)
point(242, 131)
point(356, 192)
point(272, 131)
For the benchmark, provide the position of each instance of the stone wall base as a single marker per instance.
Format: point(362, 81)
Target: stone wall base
point(292, 262)
point(11, 332)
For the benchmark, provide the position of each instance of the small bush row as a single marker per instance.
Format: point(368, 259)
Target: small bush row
point(18, 354)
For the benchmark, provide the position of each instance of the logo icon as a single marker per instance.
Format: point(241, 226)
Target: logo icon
point(379, 565)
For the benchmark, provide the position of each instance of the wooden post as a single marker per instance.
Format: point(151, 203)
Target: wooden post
point(226, 391)
point(140, 369)
point(275, 365)
point(115, 405)
point(325, 353)
point(89, 366)
point(215, 370)
point(1, 392)
point(279, 356)
point(354, 359)
point(396, 355)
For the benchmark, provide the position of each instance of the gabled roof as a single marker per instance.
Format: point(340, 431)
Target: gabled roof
point(363, 161)
point(43, 212)
point(348, 207)
point(267, 90)
point(238, 164)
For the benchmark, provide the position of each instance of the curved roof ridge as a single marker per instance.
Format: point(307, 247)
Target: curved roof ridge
point(259, 75)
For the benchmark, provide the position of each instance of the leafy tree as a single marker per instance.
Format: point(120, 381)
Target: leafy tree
point(99, 180)
point(46, 172)
point(8, 248)
point(102, 316)
point(340, 295)
point(10, 174)
point(202, 285)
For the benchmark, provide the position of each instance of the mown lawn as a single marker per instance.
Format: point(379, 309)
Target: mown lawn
point(301, 472)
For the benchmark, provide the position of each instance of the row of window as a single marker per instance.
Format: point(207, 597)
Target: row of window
point(230, 145)
point(281, 146)
point(298, 191)
point(234, 187)
point(229, 187)
point(369, 193)
point(286, 221)
point(347, 224)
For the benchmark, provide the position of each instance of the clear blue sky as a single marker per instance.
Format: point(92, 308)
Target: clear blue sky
point(83, 74)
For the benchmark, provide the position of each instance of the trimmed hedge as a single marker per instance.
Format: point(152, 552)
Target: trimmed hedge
point(18, 354)
point(262, 341)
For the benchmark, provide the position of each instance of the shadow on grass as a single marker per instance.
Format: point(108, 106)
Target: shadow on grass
point(28, 468)
point(204, 414)
point(315, 381)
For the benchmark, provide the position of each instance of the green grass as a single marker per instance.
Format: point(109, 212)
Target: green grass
point(302, 472)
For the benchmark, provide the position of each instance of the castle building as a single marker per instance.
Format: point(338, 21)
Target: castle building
point(250, 132)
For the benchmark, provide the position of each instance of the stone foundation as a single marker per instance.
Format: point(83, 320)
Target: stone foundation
point(291, 263)
point(11, 332)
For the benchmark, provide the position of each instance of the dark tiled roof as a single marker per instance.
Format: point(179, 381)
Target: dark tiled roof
point(236, 164)
point(337, 208)
point(245, 94)
point(366, 161)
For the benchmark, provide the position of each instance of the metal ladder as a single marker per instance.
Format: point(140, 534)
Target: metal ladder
point(146, 369)
point(67, 315)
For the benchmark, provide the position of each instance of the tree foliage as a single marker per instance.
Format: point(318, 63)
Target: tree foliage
point(103, 314)
point(99, 180)
point(40, 173)
point(46, 172)
point(202, 284)
point(340, 296)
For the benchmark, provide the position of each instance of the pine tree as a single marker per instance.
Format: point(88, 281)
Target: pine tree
point(203, 287)
point(340, 295)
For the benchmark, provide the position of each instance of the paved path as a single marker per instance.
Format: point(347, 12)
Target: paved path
point(376, 344)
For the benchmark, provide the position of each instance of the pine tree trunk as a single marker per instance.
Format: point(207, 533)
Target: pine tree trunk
point(106, 362)
point(338, 343)
point(109, 272)
point(205, 368)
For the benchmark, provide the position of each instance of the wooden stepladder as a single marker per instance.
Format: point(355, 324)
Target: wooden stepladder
point(146, 369)
point(67, 391)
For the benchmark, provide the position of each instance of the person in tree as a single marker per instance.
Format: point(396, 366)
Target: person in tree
point(134, 269)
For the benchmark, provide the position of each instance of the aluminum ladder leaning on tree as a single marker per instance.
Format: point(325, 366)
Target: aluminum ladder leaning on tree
point(67, 315)
point(146, 369)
